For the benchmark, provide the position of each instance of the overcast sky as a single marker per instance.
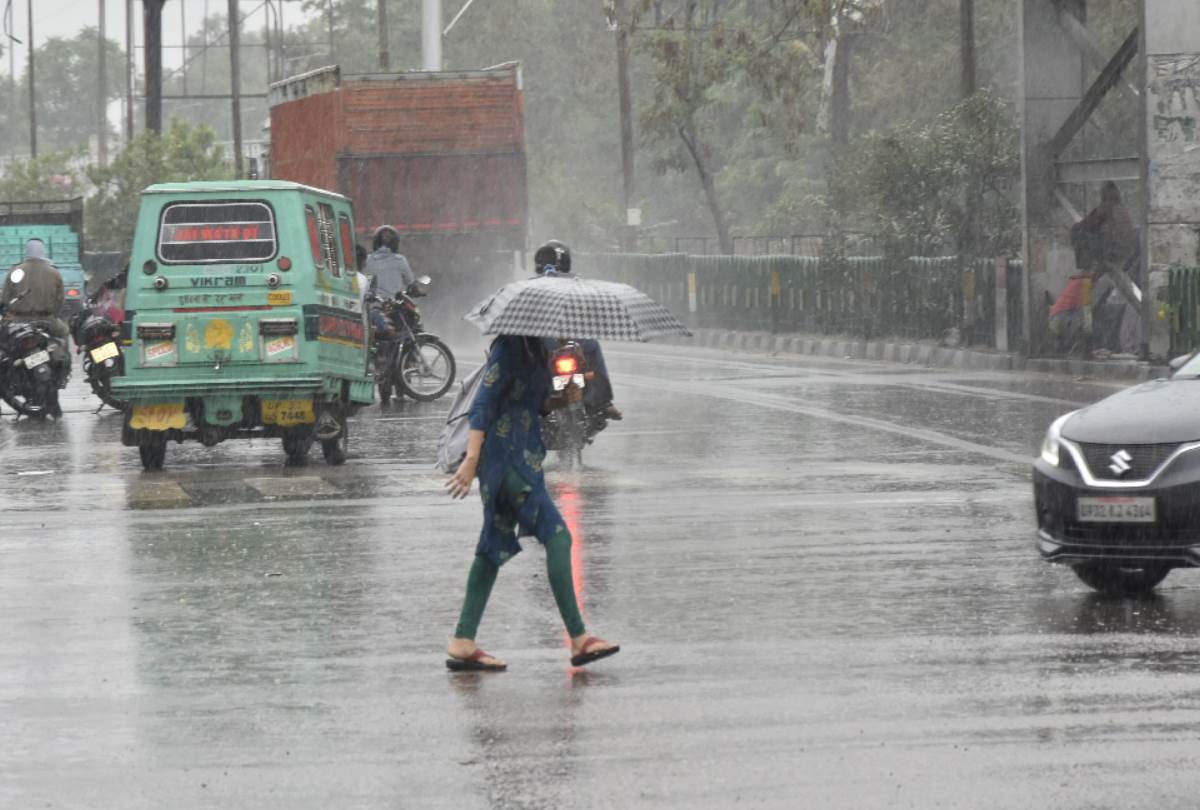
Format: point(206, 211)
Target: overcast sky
point(64, 18)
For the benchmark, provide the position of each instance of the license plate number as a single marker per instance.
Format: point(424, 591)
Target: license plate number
point(288, 412)
point(1115, 509)
point(37, 359)
point(105, 352)
point(161, 416)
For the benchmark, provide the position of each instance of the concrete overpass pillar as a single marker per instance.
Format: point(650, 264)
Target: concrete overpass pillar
point(1171, 53)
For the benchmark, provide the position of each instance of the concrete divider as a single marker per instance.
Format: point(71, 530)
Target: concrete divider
point(920, 353)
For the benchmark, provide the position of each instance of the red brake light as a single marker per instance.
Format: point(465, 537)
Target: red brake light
point(284, 263)
point(72, 293)
point(565, 365)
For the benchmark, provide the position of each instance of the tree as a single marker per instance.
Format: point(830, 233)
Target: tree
point(50, 176)
point(181, 153)
point(67, 71)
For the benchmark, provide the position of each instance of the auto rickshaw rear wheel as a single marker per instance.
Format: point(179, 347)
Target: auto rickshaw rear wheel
point(152, 447)
point(296, 444)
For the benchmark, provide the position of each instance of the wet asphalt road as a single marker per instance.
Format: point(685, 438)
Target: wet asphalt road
point(821, 573)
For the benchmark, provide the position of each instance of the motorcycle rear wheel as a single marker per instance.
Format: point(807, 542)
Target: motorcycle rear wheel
point(426, 369)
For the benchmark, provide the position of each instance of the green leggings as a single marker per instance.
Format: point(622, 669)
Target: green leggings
point(558, 568)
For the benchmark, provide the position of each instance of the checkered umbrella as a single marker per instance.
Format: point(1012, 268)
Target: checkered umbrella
point(559, 307)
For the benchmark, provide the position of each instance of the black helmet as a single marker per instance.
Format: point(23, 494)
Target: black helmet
point(386, 236)
point(552, 254)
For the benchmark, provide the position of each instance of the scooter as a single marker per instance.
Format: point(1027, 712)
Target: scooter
point(97, 339)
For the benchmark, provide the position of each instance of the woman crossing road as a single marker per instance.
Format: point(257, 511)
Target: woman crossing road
point(505, 450)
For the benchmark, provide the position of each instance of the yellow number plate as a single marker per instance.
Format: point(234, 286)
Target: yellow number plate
point(163, 416)
point(288, 412)
point(279, 298)
point(105, 352)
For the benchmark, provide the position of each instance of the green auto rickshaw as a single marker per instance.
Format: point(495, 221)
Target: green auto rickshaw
point(244, 319)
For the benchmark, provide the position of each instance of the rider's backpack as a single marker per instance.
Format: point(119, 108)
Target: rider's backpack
point(452, 444)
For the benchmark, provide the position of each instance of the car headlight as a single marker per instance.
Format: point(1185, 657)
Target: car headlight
point(1052, 444)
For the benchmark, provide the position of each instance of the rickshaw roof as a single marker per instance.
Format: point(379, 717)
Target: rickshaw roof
point(238, 186)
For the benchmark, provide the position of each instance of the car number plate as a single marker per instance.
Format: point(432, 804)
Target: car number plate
point(37, 359)
point(161, 416)
point(105, 352)
point(1115, 509)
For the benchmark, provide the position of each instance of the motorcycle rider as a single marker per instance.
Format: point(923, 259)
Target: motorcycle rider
point(38, 288)
point(554, 259)
point(388, 268)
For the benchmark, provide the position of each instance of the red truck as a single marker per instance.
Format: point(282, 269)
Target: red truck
point(439, 156)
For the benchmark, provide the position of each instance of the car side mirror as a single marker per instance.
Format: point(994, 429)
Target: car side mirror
point(1177, 363)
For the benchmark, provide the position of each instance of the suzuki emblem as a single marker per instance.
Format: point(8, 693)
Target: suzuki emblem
point(1120, 463)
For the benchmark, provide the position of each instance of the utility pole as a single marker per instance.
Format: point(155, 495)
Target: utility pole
point(32, 85)
point(966, 21)
point(431, 34)
point(183, 40)
point(626, 115)
point(128, 71)
point(152, 34)
point(383, 35)
point(235, 91)
point(102, 94)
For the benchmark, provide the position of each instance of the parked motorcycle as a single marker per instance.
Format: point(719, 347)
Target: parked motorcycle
point(33, 367)
point(98, 340)
point(409, 360)
point(569, 429)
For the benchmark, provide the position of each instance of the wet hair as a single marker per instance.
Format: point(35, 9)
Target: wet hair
point(360, 257)
point(1109, 193)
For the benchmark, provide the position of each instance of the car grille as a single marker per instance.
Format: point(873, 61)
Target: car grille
point(1146, 458)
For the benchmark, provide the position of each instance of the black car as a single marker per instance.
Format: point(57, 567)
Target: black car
point(1117, 485)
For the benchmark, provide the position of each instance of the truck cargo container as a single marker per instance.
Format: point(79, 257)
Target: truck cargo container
point(440, 156)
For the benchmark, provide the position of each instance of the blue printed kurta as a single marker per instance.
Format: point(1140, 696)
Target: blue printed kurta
point(507, 409)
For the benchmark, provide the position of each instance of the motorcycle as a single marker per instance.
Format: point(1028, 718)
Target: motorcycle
point(407, 359)
point(569, 429)
point(98, 340)
point(33, 367)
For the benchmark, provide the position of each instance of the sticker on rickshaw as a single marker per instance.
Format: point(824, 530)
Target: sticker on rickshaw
point(280, 345)
point(279, 298)
point(160, 416)
point(288, 412)
point(159, 350)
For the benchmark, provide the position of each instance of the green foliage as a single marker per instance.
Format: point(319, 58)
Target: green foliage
point(183, 152)
point(52, 176)
point(935, 189)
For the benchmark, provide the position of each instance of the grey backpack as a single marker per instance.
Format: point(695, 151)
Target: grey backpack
point(452, 444)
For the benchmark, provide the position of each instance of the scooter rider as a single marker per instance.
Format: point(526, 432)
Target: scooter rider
point(554, 259)
point(388, 268)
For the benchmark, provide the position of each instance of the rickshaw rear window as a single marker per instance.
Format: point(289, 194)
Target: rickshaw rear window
point(216, 232)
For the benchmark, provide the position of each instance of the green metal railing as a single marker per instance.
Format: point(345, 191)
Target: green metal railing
point(863, 296)
point(1183, 309)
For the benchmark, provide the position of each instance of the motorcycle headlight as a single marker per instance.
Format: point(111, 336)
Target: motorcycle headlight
point(1052, 444)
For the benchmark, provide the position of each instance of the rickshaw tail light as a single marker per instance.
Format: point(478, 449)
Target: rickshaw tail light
point(149, 267)
point(565, 365)
point(72, 293)
point(284, 263)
